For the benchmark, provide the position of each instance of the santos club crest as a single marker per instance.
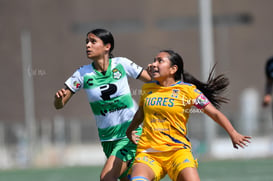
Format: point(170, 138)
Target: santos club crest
point(116, 74)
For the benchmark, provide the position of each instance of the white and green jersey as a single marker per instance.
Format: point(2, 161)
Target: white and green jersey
point(109, 95)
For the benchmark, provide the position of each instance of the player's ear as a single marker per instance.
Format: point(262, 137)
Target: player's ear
point(107, 47)
point(173, 69)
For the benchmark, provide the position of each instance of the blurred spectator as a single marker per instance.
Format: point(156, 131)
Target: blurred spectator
point(269, 82)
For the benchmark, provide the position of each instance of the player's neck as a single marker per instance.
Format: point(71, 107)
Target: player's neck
point(102, 64)
point(167, 82)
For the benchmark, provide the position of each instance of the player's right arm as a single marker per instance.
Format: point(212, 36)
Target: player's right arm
point(72, 85)
point(62, 96)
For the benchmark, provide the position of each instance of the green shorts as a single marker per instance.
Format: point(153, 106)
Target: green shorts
point(123, 149)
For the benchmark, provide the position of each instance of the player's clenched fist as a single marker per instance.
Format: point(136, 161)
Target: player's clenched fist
point(61, 97)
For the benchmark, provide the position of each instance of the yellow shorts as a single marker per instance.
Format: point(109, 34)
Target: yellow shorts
point(171, 162)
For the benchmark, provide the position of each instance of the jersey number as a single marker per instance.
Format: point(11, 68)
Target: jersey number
point(107, 91)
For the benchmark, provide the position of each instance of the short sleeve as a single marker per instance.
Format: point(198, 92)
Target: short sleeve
point(132, 69)
point(75, 82)
point(199, 99)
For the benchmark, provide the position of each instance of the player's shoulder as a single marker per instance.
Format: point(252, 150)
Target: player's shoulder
point(179, 84)
point(84, 69)
point(188, 88)
point(123, 61)
point(120, 59)
point(185, 85)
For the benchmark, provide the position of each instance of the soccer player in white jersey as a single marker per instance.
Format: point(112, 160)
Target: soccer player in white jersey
point(105, 82)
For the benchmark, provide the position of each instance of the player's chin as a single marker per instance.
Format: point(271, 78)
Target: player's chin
point(157, 78)
point(155, 75)
point(90, 56)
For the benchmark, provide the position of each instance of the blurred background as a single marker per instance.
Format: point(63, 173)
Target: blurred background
point(43, 43)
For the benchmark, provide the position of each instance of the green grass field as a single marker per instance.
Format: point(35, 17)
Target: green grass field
point(228, 170)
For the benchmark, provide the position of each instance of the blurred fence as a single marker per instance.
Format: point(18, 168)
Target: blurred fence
point(58, 142)
point(62, 142)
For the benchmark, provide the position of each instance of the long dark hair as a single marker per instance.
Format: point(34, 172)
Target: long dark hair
point(269, 68)
point(212, 89)
point(106, 37)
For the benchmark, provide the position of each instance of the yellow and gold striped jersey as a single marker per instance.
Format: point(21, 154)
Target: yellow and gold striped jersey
point(166, 112)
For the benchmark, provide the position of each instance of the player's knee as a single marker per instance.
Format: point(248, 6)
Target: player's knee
point(139, 179)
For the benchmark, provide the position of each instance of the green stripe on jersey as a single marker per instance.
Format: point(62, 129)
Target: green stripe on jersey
point(91, 81)
point(115, 104)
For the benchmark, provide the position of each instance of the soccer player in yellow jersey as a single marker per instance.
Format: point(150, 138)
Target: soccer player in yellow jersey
point(163, 147)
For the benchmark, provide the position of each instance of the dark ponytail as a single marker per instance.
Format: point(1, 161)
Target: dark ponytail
point(212, 89)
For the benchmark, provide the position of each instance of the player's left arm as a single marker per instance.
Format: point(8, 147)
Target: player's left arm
point(145, 76)
point(236, 138)
point(137, 120)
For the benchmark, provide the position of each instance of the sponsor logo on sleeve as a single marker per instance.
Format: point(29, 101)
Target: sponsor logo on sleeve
point(76, 84)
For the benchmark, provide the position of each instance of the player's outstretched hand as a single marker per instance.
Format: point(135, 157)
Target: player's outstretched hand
point(240, 140)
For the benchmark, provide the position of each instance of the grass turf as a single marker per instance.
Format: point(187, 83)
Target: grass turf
point(224, 170)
